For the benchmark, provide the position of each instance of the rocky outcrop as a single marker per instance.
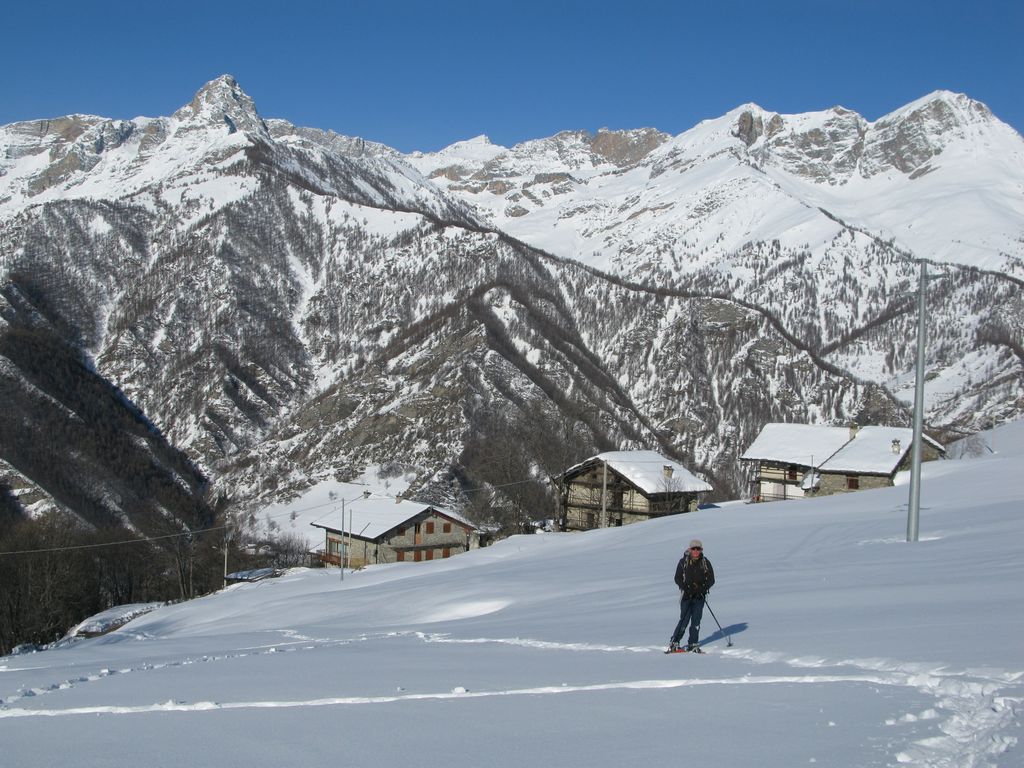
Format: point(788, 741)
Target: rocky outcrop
point(749, 128)
point(626, 148)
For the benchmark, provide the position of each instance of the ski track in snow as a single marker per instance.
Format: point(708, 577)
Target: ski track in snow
point(981, 705)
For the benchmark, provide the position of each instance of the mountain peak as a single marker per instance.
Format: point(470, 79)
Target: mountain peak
point(958, 106)
point(479, 149)
point(222, 101)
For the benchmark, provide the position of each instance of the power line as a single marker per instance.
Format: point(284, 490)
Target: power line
point(146, 538)
point(285, 513)
point(111, 543)
point(502, 485)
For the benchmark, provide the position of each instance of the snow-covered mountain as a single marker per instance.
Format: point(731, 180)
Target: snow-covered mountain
point(830, 641)
point(614, 198)
point(287, 304)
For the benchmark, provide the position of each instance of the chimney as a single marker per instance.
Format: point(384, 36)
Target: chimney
point(896, 446)
point(853, 431)
point(398, 498)
point(667, 471)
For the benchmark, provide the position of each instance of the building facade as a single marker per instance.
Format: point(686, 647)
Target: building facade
point(376, 530)
point(622, 487)
point(791, 461)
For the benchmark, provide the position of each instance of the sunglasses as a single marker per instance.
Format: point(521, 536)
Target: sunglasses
point(699, 549)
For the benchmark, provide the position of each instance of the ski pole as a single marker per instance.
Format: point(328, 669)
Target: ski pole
point(728, 640)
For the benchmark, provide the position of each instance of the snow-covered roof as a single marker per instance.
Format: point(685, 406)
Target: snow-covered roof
point(646, 470)
point(831, 449)
point(372, 516)
point(802, 444)
point(871, 451)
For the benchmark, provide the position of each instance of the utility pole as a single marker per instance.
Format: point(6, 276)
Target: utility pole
point(341, 544)
point(603, 522)
point(914, 505)
point(363, 495)
point(226, 537)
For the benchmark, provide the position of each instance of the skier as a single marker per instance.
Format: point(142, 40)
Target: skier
point(694, 577)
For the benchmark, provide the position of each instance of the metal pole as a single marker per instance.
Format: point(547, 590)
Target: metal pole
point(603, 522)
point(341, 545)
point(914, 505)
point(728, 639)
point(225, 553)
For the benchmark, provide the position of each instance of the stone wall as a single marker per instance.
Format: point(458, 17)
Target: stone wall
point(838, 483)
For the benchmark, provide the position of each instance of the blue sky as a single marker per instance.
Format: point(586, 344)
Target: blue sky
point(421, 75)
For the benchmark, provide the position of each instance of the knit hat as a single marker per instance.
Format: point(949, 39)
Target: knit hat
point(697, 543)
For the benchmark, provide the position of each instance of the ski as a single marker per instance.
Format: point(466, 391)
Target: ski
point(684, 650)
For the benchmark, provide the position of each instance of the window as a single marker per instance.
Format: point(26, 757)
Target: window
point(852, 482)
point(430, 554)
point(400, 556)
point(400, 533)
point(430, 527)
point(446, 528)
point(792, 474)
point(417, 556)
point(446, 552)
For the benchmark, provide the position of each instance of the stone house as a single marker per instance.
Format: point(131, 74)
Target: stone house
point(381, 529)
point(791, 461)
point(621, 487)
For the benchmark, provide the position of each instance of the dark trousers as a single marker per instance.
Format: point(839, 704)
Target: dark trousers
point(691, 610)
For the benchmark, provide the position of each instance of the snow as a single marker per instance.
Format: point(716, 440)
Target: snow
point(705, 193)
point(871, 451)
point(803, 444)
point(478, 149)
point(111, 619)
point(851, 647)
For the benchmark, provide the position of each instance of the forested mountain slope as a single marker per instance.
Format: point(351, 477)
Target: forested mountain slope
point(286, 304)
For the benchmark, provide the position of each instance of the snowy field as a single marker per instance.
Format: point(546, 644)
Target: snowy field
point(850, 648)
